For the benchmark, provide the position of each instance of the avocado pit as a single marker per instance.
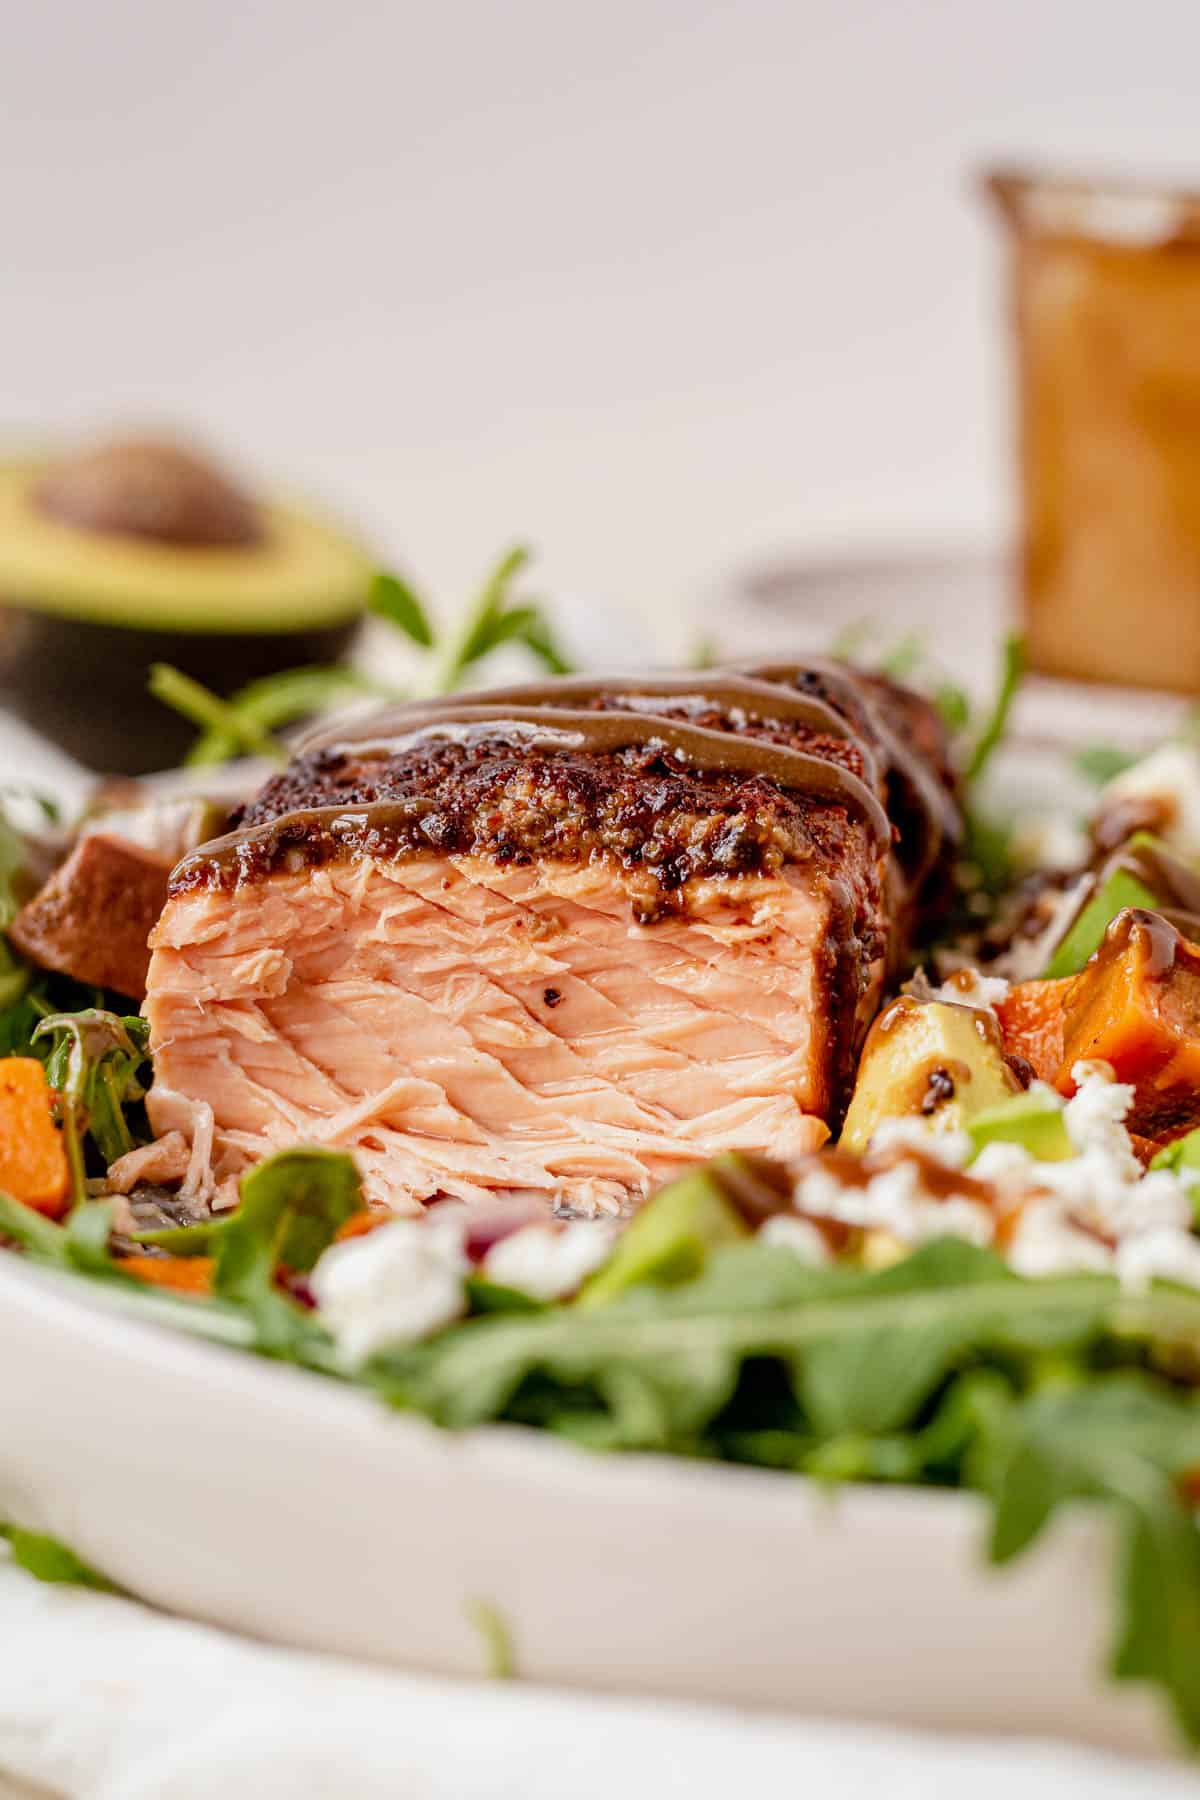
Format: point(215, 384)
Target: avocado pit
point(151, 490)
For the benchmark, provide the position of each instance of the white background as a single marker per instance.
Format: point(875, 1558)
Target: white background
point(658, 284)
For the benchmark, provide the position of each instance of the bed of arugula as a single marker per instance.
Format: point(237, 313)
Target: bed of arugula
point(945, 1369)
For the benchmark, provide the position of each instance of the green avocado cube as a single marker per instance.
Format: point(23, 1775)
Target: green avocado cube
point(1121, 889)
point(670, 1239)
point(1033, 1120)
point(1182, 1157)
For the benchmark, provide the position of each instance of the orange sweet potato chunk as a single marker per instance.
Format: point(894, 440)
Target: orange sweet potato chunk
point(182, 1274)
point(33, 1160)
point(1137, 1006)
point(1031, 1023)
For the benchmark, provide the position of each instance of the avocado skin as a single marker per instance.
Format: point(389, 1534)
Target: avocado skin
point(82, 683)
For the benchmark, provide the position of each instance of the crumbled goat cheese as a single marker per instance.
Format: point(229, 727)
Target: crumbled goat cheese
point(1046, 1243)
point(1095, 1117)
point(1169, 776)
point(1166, 1252)
point(1098, 1210)
point(950, 1147)
point(1050, 841)
point(548, 1263)
point(969, 987)
point(399, 1283)
point(798, 1235)
point(894, 1200)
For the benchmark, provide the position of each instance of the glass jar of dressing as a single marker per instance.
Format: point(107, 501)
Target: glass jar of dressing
point(1106, 301)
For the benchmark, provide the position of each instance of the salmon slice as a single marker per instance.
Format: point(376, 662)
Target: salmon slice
point(553, 945)
point(463, 1028)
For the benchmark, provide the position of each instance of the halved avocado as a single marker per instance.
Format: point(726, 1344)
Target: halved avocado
point(137, 553)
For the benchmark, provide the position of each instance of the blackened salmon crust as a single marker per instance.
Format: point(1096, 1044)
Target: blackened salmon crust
point(501, 798)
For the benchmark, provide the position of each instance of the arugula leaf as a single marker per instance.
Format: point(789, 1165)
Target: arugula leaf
point(15, 979)
point(79, 1245)
point(393, 599)
point(12, 862)
point(480, 626)
point(212, 714)
point(39, 1237)
point(495, 1634)
point(954, 708)
point(15, 974)
point(1011, 675)
point(245, 723)
point(857, 1351)
point(292, 1206)
point(95, 1067)
point(283, 699)
point(1102, 762)
point(496, 619)
point(1126, 1440)
point(49, 1559)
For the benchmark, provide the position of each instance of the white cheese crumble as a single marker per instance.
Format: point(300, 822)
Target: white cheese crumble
point(970, 987)
point(1098, 1210)
point(1051, 841)
point(950, 1147)
point(548, 1262)
point(398, 1283)
point(798, 1235)
point(1169, 776)
point(894, 1200)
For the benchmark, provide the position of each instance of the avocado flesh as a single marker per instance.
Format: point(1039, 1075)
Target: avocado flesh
point(302, 575)
point(927, 1059)
point(1033, 1121)
point(87, 612)
point(1121, 889)
point(1143, 873)
point(670, 1240)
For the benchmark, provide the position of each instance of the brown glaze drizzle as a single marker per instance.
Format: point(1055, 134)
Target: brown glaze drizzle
point(931, 813)
point(755, 1186)
point(560, 727)
point(608, 715)
point(1155, 942)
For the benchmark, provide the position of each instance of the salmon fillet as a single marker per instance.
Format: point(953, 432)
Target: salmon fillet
point(493, 967)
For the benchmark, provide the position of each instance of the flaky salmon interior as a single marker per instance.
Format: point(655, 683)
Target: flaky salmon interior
point(470, 1029)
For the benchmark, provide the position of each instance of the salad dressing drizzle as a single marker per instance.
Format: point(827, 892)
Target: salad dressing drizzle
point(609, 714)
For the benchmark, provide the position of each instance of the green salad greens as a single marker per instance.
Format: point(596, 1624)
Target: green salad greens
point(246, 723)
point(944, 1369)
point(697, 1334)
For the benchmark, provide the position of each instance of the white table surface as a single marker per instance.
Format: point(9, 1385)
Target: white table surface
point(101, 1699)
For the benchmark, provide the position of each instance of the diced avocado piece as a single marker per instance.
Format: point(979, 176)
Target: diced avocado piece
point(1033, 1120)
point(1120, 889)
point(929, 1059)
point(670, 1239)
point(1182, 1157)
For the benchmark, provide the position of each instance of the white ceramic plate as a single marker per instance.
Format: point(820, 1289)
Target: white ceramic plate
point(271, 1501)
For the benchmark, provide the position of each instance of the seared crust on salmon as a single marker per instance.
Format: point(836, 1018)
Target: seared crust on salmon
point(554, 943)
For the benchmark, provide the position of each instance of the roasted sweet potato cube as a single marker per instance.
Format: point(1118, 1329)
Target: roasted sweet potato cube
point(1137, 1006)
point(1031, 1024)
point(33, 1161)
point(93, 917)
